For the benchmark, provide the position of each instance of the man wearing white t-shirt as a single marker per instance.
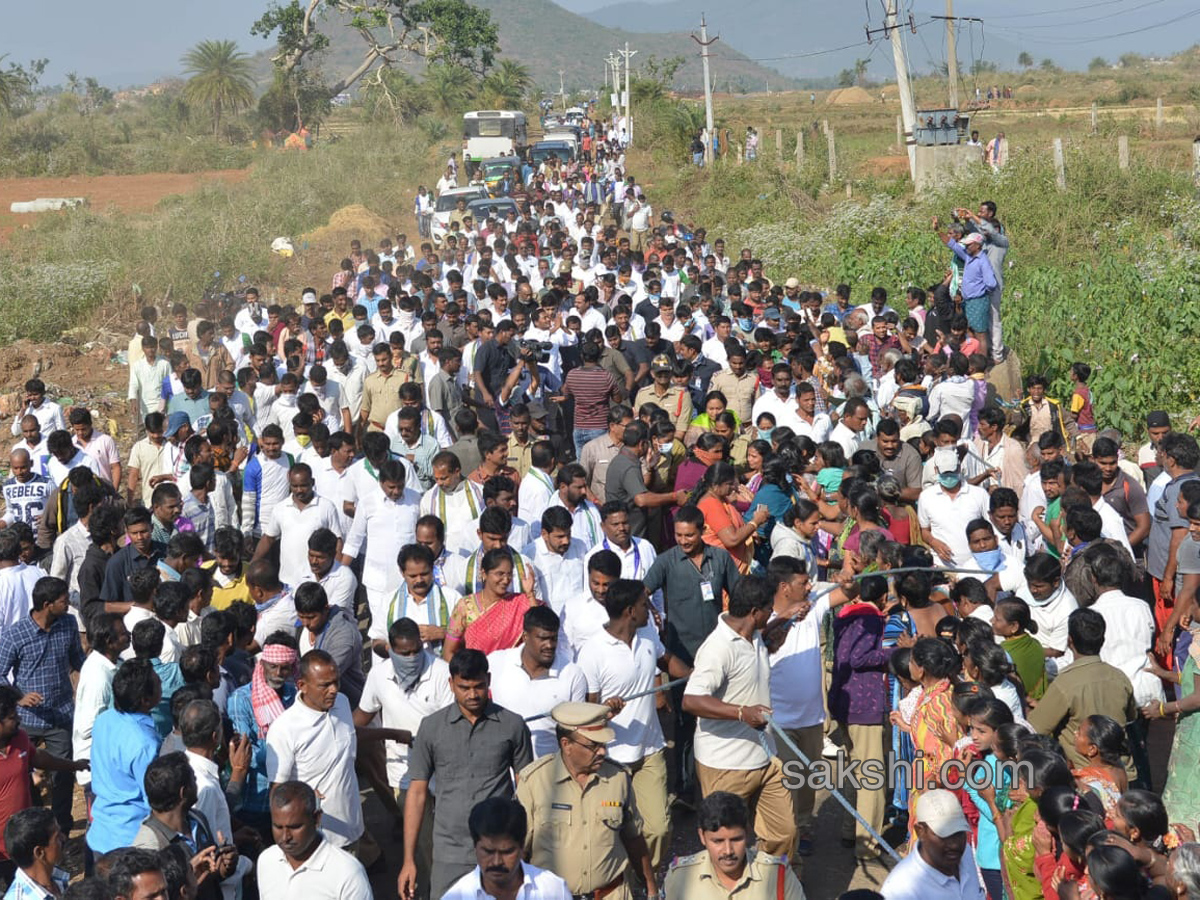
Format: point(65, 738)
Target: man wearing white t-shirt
point(945, 509)
point(293, 521)
point(531, 679)
point(558, 559)
point(797, 692)
point(620, 660)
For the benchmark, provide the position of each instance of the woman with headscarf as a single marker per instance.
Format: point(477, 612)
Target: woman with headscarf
point(912, 422)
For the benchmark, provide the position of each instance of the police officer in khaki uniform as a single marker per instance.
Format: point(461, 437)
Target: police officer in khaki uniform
point(671, 397)
point(725, 869)
point(583, 819)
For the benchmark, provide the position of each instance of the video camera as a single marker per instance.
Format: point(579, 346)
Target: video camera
point(538, 351)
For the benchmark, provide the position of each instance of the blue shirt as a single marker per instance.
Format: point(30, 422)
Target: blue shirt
point(123, 745)
point(25, 888)
point(257, 788)
point(196, 410)
point(978, 279)
point(172, 680)
point(42, 661)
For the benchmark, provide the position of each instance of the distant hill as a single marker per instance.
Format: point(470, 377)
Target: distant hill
point(546, 37)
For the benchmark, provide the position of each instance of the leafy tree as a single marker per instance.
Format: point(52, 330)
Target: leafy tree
point(18, 84)
point(654, 79)
point(860, 71)
point(447, 31)
point(394, 93)
point(1097, 64)
point(846, 78)
point(1049, 65)
point(979, 66)
point(220, 79)
point(1129, 60)
point(1024, 60)
point(293, 101)
point(449, 88)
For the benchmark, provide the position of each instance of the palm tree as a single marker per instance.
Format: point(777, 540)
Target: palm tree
point(860, 71)
point(449, 87)
point(506, 85)
point(220, 81)
point(1025, 60)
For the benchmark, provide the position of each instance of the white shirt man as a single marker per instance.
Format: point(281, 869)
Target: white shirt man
point(458, 509)
point(350, 384)
point(1112, 526)
point(291, 525)
point(846, 438)
point(384, 526)
point(714, 349)
point(616, 669)
point(57, 471)
point(318, 748)
point(947, 512)
point(395, 707)
point(330, 872)
point(1051, 617)
point(561, 576)
point(93, 695)
point(636, 560)
point(1128, 637)
point(784, 410)
point(210, 800)
point(277, 614)
point(585, 520)
point(340, 586)
point(515, 690)
point(536, 491)
point(737, 671)
point(538, 884)
point(914, 878)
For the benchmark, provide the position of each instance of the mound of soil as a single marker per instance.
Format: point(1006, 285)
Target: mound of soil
point(850, 96)
point(1026, 89)
point(349, 222)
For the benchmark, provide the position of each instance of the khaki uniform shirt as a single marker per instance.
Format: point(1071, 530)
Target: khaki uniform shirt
point(518, 456)
point(740, 393)
point(676, 401)
point(693, 878)
point(575, 832)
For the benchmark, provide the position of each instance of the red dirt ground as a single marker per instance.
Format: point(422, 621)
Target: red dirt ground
point(131, 193)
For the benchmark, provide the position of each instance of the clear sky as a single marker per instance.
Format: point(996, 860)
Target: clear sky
point(136, 41)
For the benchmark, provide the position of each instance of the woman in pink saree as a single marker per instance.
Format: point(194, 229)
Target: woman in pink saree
point(493, 618)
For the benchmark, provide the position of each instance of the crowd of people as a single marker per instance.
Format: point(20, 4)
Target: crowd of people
point(574, 526)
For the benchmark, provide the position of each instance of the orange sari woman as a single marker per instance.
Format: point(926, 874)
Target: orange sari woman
point(723, 524)
point(934, 729)
point(492, 618)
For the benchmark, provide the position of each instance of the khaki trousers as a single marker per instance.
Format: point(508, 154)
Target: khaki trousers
point(770, 802)
point(810, 741)
point(650, 792)
point(864, 742)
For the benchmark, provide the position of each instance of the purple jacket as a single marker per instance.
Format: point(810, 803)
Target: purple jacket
point(858, 687)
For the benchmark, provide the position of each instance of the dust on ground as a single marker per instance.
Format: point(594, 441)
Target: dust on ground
point(129, 193)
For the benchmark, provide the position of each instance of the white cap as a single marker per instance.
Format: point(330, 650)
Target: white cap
point(973, 238)
point(941, 813)
point(945, 459)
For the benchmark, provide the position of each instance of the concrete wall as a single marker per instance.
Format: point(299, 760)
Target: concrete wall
point(936, 165)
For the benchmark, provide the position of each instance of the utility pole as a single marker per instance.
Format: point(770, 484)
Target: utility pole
point(704, 43)
point(613, 62)
point(952, 54)
point(907, 108)
point(627, 54)
point(562, 93)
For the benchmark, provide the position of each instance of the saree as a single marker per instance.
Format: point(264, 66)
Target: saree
point(1017, 855)
point(718, 515)
point(934, 708)
point(499, 627)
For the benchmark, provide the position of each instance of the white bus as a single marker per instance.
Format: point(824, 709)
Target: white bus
point(492, 132)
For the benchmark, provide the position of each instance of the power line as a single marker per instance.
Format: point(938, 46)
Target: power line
point(1079, 22)
point(794, 55)
point(1057, 12)
point(1104, 37)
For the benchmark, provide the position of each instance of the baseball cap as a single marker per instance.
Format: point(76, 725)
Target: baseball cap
point(536, 410)
point(771, 315)
point(589, 719)
point(1158, 419)
point(660, 363)
point(176, 421)
point(973, 238)
point(940, 812)
point(945, 459)
point(309, 297)
point(792, 283)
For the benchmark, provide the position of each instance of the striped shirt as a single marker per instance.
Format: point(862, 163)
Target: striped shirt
point(592, 387)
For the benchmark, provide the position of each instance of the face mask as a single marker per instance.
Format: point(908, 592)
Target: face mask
point(949, 480)
point(764, 434)
point(665, 448)
point(286, 399)
point(654, 298)
point(990, 560)
point(408, 668)
point(745, 324)
point(303, 440)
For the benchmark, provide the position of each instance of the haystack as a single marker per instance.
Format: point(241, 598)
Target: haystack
point(346, 224)
point(850, 96)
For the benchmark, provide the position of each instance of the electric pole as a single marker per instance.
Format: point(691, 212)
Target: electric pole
point(704, 43)
point(627, 54)
point(908, 110)
point(562, 93)
point(952, 54)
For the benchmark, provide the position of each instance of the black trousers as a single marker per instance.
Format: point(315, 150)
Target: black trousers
point(57, 742)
